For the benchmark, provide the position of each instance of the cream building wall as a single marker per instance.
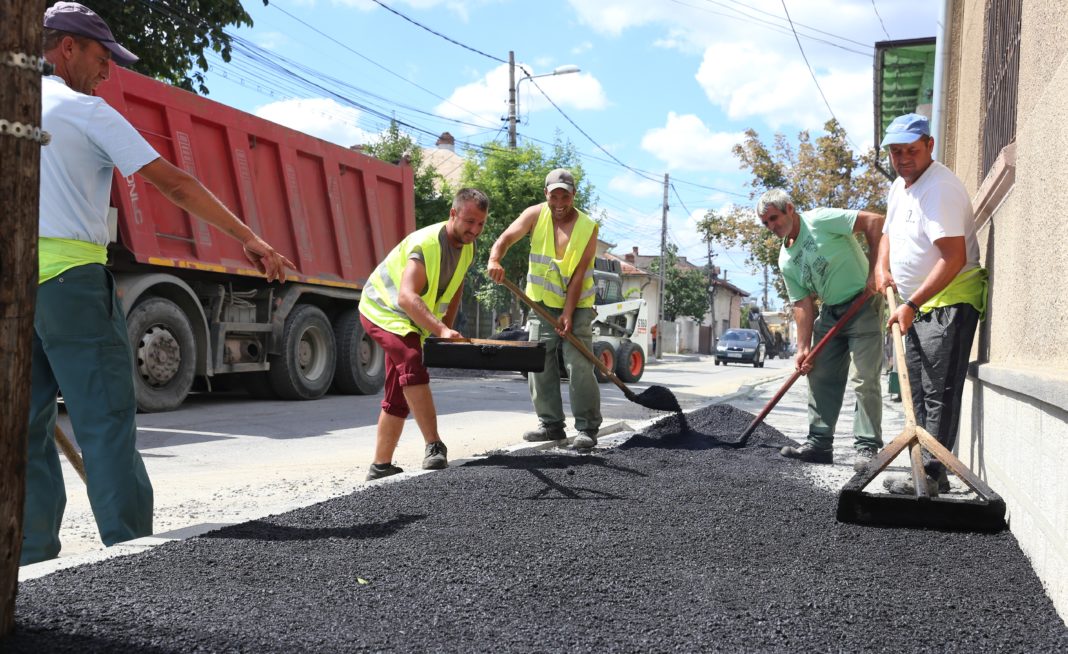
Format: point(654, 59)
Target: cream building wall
point(1014, 432)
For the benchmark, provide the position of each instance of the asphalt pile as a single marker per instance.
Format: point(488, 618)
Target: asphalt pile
point(672, 542)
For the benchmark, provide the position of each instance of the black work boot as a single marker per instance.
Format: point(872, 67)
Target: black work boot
point(807, 452)
point(545, 433)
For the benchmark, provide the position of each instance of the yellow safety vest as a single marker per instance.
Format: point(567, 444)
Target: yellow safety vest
point(379, 301)
point(547, 276)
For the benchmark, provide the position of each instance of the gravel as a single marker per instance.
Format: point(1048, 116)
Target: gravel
point(670, 542)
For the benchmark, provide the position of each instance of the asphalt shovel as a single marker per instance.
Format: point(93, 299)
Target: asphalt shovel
point(657, 398)
point(986, 513)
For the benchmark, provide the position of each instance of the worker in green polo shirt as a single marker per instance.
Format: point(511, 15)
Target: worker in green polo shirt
point(821, 259)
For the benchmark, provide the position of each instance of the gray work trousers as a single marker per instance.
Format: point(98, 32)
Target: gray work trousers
point(583, 390)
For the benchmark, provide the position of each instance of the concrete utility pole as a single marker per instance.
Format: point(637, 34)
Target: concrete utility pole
point(663, 262)
point(765, 308)
point(20, 165)
point(511, 99)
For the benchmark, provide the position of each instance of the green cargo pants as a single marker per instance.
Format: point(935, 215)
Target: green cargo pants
point(80, 349)
point(862, 340)
point(585, 394)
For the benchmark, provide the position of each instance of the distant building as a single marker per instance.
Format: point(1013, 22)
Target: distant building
point(444, 160)
point(690, 336)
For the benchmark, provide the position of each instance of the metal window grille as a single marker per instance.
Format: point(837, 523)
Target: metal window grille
point(1001, 76)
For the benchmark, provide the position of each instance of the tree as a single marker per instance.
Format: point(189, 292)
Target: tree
point(514, 179)
point(171, 36)
point(820, 173)
point(432, 194)
point(685, 289)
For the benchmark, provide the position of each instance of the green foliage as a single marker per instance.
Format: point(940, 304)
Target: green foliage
point(171, 36)
point(433, 198)
point(820, 173)
point(514, 179)
point(685, 290)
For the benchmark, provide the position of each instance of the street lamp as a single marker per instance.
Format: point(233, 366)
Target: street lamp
point(513, 86)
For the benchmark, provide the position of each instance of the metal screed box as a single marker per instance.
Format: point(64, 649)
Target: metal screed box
point(484, 354)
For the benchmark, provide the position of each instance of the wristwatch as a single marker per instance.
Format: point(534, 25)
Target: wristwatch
point(915, 309)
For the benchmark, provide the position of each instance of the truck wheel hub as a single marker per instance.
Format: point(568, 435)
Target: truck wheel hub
point(159, 356)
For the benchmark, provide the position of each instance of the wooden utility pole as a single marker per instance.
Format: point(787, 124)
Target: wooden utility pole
point(20, 156)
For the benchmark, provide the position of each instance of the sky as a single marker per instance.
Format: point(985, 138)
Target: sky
point(664, 86)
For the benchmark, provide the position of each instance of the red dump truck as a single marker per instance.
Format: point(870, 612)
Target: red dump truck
point(199, 314)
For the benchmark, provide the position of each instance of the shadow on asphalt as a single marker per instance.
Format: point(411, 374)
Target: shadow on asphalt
point(266, 531)
point(536, 463)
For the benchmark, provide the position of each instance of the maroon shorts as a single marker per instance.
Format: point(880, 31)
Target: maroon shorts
point(404, 365)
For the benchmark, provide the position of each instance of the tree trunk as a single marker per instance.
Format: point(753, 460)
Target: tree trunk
point(20, 102)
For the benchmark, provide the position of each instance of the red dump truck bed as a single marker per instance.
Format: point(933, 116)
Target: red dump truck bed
point(333, 211)
point(199, 316)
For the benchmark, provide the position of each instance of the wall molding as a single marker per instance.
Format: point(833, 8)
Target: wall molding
point(1039, 384)
point(999, 181)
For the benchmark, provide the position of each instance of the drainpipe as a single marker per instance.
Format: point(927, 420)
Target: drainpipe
point(941, 83)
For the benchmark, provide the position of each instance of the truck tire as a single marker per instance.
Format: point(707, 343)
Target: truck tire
point(361, 363)
point(630, 362)
point(164, 354)
point(305, 368)
point(607, 355)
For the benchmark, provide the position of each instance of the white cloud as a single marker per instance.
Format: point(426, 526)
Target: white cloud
point(686, 143)
point(485, 100)
point(636, 186)
point(321, 117)
point(747, 81)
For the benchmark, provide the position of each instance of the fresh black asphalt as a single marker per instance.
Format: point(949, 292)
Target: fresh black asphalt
point(669, 543)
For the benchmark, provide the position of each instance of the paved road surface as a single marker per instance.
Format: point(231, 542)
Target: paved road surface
point(226, 459)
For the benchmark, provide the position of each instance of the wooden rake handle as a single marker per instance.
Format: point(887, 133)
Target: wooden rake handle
point(846, 317)
point(69, 451)
point(571, 338)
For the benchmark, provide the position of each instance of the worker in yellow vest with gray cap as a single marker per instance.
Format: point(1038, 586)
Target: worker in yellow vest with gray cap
point(560, 277)
point(414, 293)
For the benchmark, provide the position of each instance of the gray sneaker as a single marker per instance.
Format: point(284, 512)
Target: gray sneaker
point(585, 440)
point(384, 470)
point(864, 457)
point(544, 433)
point(436, 457)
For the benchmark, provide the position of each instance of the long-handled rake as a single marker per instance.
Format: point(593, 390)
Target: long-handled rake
point(985, 513)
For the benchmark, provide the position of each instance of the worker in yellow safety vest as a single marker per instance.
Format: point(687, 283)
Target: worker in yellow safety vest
point(560, 277)
point(414, 293)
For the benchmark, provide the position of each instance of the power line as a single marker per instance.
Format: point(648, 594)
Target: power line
point(813, 73)
point(749, 18)
point(876, 10)
point(436, 33)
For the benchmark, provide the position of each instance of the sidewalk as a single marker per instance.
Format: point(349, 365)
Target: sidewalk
point(678, 547)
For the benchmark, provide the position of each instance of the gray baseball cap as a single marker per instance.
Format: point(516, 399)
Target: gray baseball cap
point(81, 20)
point(560, 178)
